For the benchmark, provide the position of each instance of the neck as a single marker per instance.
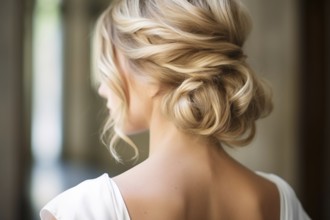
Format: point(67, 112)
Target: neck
point(166, 137)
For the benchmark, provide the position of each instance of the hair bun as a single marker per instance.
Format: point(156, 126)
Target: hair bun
point(224, 105)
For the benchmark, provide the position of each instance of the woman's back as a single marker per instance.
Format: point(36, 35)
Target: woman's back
point(202, 185)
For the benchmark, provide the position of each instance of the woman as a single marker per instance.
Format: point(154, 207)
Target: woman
point(177, 69)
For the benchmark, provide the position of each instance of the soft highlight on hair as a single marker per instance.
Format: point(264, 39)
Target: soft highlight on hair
point(193, 49)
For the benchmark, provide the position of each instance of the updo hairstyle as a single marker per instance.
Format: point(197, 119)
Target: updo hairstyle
point(193, 49)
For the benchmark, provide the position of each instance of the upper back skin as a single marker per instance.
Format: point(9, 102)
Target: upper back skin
point(167, 188)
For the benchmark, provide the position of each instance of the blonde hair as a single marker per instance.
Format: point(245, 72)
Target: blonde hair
point(193, 48)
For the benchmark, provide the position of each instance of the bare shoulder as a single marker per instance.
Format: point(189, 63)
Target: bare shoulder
point(263, 198)
point(269, 198)
point(242, 194)
point(149, 194)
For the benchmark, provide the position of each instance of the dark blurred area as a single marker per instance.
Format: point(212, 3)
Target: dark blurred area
point(51, 116)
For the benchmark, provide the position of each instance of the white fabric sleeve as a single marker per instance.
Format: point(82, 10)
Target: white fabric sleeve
point(291, 208)
point(98, 199)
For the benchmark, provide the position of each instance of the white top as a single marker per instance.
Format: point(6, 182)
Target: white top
point(96, 199)
point(100, 199)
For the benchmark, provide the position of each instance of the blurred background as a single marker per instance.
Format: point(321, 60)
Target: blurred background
point(51, 117)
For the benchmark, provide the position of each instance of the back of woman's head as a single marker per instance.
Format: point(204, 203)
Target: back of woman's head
point(193, 49)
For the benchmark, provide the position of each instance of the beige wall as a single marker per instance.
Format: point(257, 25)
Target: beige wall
point(273, 52)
